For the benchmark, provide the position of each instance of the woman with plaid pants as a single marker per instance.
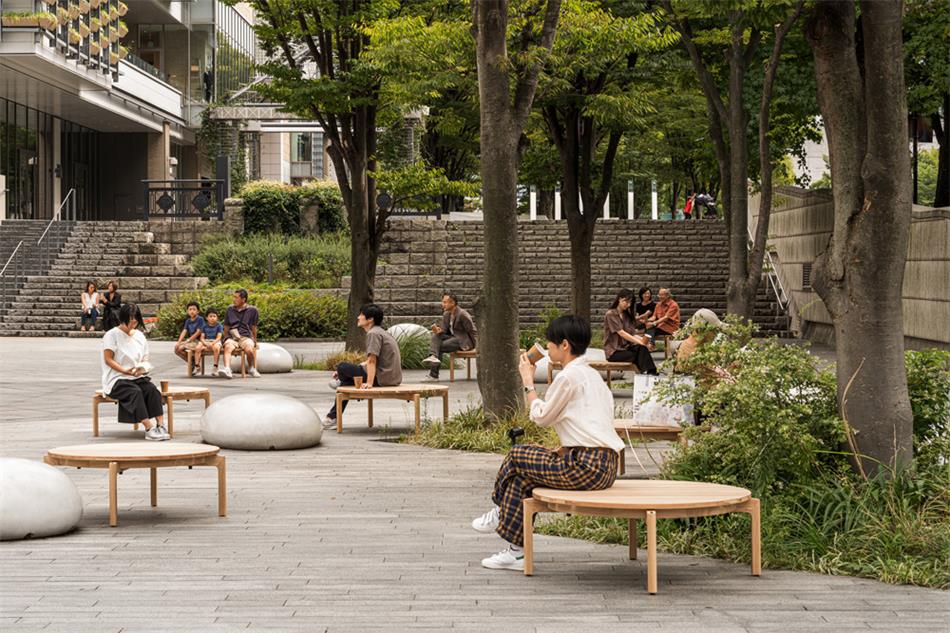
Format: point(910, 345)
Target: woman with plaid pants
point(580, 408)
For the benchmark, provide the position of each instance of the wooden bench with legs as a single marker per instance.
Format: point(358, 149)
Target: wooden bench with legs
point(406, 393)
point(169, 395)
point(207, 352)
point(468, 355)
point(629, 430)
point(648, 500)
point(117, 457)
point(599, 365)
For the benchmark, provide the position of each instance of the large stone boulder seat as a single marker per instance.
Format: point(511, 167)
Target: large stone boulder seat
point(261, 421)
point(648, 500)
point(36, 500)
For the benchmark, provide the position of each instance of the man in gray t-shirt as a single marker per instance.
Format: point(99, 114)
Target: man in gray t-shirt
point(383, 364)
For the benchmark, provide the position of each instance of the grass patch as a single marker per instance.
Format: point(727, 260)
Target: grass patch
point(470, 430)
point(329, 362)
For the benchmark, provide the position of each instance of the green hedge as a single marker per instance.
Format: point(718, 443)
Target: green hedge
point(304, 262)
point(274, 207)
point(288, 314)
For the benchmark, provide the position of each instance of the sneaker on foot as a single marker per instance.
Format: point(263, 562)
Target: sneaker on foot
point(329, 423)
point(510, 558)
point(487, 523)
point(431, 377)
point(155, 434)
point(164, 431)
point(225, 372)
point(431, 362)
point(254, 373)
point(334, 384)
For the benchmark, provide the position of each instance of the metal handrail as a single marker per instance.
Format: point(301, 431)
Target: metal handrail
point(56, 215)
point(10, 259)
point(774, 280)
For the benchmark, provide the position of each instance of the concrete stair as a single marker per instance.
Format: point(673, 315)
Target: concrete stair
point(148, 272)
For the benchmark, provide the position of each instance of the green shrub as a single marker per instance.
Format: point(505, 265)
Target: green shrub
point(300, 262)
point(413, 348)
point(470, 430)
point(330, 362)
point(528, 336)
point(274, 207)
point(290, 314)
point(928, 383)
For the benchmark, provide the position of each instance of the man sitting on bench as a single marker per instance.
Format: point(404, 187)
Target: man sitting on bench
point(457, 332)
point(383, 364)
point(580, 407)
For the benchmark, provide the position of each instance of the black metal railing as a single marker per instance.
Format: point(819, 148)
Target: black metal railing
point(11, 276)
point(184, 199)
point(144, 66)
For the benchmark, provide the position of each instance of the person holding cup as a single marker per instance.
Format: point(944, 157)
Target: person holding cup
point(125, 366)
point(457, 332)
point(580, 408)
point(621, 342)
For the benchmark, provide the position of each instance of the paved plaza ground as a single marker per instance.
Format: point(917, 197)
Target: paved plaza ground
point(357, 534)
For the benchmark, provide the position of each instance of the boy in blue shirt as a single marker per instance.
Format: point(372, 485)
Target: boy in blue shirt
point(190, 332)
point(211, 335)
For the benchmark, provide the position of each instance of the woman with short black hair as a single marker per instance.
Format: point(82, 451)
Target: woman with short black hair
point(621, 343)
point(125, 367)
point(580, 408)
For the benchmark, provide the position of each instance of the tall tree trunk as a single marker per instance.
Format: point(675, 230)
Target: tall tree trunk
point(502, 122)
point(546, 203)
point(942, 132)
point(862, 269)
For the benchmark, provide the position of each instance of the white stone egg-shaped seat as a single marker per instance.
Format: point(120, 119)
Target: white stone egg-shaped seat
point(36, 500)
point(409, 329)
point(271, 359)
point(260, 421)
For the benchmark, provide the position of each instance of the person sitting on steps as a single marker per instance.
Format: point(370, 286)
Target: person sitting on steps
point(457, 332)
point(383, 364)
point(90, 307)
point(240, 332)
point(124, 367)
point(580, 408)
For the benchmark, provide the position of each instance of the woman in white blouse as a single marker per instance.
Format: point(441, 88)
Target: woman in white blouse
point(90, 307)
point(580, 408)
point(124, 368)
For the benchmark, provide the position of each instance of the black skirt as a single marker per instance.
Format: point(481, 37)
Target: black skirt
point(138, 399)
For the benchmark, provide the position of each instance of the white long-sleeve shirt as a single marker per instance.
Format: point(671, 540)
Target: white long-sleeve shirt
point(580, 408)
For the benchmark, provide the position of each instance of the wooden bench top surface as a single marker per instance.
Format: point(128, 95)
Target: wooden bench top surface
point(133, 451)
point(400, 390)
point(633, 427)
point(175, 392)
point(603, 364)
point(465, 353)
point(656, 494)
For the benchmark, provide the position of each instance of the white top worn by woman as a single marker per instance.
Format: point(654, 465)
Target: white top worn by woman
point(90, 301)
point(129, 350)
point(580, 408)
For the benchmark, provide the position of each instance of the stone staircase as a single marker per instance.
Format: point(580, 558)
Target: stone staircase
point(148, 272)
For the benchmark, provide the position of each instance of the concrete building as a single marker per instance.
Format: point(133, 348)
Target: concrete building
point(112, 94)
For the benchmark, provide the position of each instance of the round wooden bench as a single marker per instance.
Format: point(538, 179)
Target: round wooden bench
point(121, 456)
point(648, 500)
point(599, 365)
point(468, 355)
point(169, 396)
point(406, 393)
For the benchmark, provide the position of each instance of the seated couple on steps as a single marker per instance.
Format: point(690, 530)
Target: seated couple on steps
point(456, 333)
point(580, 408)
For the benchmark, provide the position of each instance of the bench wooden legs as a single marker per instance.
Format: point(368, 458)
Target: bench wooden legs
point(153, 484)
point(531, 507)
point(190, 360)
point(95, 416)
point(756, 537)
point(632, 537)
point(623, 460)
point(170, 415)
point(113, 494)
point(651, 551)
point(445, 407)
point(415, 403)
point(369, 413)
point(339, 413)
point(219, 463)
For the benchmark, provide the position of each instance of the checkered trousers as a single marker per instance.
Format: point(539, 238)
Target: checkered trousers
point(528, 467)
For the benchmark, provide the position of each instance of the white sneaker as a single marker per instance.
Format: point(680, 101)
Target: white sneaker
point(334, 384)
point(329, 423)
point(155, 434)
point(254, 373)
point(510, 558)
point(431, 362)
point(225, 372)
point(487, 523)
point(165, 434)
